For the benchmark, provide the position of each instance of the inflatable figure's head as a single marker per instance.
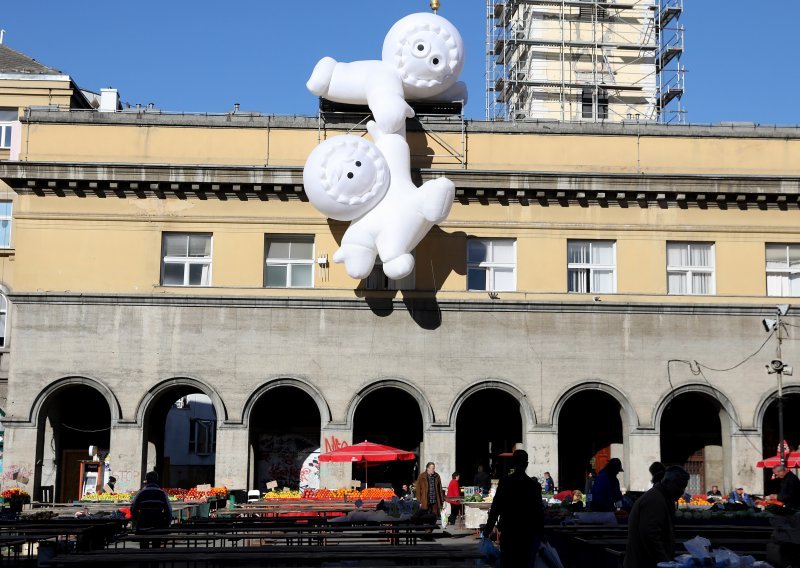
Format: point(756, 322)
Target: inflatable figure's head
point(345, 176)
point(428, 52)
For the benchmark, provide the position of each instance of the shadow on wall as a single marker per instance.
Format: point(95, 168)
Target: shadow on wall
point(438, 255)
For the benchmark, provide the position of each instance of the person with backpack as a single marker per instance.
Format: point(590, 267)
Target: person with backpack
point(150, 509)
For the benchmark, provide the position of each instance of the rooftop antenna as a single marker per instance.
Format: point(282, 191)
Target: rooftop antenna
point(2, 35)
point(435, 6)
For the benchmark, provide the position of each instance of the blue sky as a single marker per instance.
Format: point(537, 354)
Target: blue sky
point(203, 55)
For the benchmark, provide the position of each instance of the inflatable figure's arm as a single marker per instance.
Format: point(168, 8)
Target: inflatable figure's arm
point(389, 107)
point(394, 147)
point(458, 92)
point(321, 76)
point(437, 199)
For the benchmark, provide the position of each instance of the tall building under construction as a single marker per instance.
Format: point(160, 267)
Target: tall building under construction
point(584, 60)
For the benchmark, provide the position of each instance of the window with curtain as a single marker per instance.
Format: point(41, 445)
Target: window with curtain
point(783, 269)
point(186, 259)
point(3, 319)
point(5, 224)
point(491, 265)
point(289, 262)
point(690, 268)
point(7, 117)
point(591, 267)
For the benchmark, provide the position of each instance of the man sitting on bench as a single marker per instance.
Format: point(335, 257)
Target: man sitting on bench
point(150, 509)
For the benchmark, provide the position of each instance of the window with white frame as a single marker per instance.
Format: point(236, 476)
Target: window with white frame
point(377, 280)
point(202, 436)
point(186, 259)
point(5, 224)
point(591, 267)
point(690, 268)
point(3, 319)
point(7, 117)
point(783, 269)
point(289, 261)
point(491, 265)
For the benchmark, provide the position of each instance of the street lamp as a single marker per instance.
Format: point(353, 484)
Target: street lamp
point(779, 368)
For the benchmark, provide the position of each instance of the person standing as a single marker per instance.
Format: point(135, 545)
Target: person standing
point(790, 487)
point(482, 480)
point(429, 490)
point(549, 483)
point(150, 509)
point(605, 491)
point(453, 494)
point(109, 487)
point(651, 536)
point(518, 506)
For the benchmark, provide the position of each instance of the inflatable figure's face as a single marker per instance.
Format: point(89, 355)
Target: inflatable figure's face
point(428, 52)
point(345, 177)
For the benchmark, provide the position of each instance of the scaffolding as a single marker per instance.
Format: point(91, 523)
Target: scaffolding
point(584, 60)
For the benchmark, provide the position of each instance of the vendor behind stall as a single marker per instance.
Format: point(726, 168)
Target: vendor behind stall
point(790, 487)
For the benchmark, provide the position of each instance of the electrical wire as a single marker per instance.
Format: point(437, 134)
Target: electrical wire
point(739, 364)
point(86, 431)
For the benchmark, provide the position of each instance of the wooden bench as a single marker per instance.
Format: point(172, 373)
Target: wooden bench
point(294, 556)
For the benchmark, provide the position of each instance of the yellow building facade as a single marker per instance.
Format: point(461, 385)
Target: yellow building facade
point(596, 292)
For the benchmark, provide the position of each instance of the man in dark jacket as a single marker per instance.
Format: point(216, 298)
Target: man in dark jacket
point(518, 504)
point(605, 491)
point(151, 509)
point(790, 487)
point(651, 537)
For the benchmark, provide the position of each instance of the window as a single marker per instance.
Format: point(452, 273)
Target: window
point(377, 280)
point(5, 224)
point(587, 103)
point(3, 319)
point(690, 268)
point(186, 259)
point(591, 267)
point(290, 262)
point(783, 270)
point(491, 265)
point(202, 436)
point(7, 117)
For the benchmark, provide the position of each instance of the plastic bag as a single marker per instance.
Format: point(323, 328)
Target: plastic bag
point(547, 557)
point(698, 547)
point(490, 551)
point(443, 517)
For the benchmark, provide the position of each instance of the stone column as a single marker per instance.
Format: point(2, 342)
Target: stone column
point(439, 447)
point(331, 474)
point(231, 465)
point(542, 447)
point(643, 447)
point(20, 456)
point(746, 450)
point(125, 456)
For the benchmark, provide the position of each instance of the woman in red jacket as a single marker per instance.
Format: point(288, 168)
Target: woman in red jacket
point(453, 493)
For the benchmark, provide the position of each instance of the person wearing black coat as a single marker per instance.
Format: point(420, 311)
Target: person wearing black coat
point(518, 504)
point(605, 491)
point(651, 537)
point(790, 487)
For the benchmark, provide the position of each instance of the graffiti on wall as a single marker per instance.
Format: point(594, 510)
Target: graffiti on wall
point(334, 443)
point(16, 476)
point(290, 460)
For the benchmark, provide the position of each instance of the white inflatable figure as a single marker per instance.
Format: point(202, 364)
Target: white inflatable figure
point(347, 177)
point(423, 54)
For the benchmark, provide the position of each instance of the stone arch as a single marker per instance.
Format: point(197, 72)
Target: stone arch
point(505, 386)
point(306, 387)
point(594, 384)
point(708, 390)
point(154, 392)
point(768, 398)
point(57, 385)
point(425, 408)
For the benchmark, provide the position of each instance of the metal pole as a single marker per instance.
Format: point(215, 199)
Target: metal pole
point(780, 395)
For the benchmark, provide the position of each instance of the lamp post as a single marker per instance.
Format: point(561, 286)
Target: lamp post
point(776, 366)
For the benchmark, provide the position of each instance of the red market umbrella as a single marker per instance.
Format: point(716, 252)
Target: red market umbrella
point(366, 452)
point(792, 460)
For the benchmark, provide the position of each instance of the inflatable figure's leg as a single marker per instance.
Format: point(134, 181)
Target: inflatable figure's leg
point(358, 260)
point(437, 195)
point(399, 267)
point(321, 76)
